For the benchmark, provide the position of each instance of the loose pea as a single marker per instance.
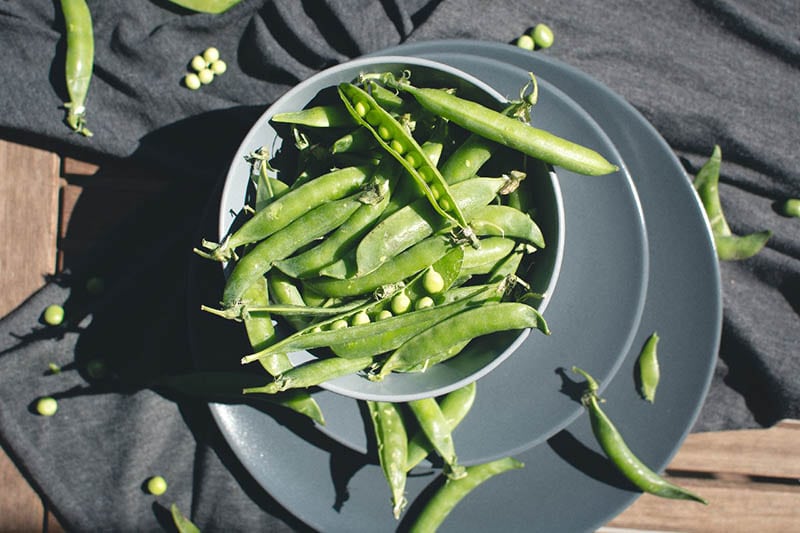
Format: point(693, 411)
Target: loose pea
point(339, 324)
point(205, 76)
point(526, 42)
point(791, 207)
point(198, 63)
point(211, 54)
point(542, 36)
point(157, 485)
point(384, 314)
point(46, 406)
point(424, 302)
point(219, 67)
point(432, 281)
point(54, 315)
point(53, 368)
point(400, 303)
point(192, 81)
point(360, 318)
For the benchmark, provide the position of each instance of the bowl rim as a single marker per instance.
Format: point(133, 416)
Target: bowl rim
point(238, 168)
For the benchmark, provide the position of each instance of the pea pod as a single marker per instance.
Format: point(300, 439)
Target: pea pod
point(449, 495)
point(277, 215)
point(182, 523)
point(505, 221)
point(484, 259)
point(412, 223)
point(620, 454)
point(260, 259)
point(454, 407)
point(312, 373)
point(398, 142)
point(464, 326)
point(434, 425)
point(648, 368)
point(325, 116)
point(508, 131)
point(79, 61)
point(390, 434)
point(207, 6)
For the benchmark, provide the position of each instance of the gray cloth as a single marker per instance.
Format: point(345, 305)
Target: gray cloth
point(703, 72)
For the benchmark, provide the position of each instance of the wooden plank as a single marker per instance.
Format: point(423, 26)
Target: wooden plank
point(29, 219)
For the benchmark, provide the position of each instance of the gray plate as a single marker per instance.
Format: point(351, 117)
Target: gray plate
point(566, 485)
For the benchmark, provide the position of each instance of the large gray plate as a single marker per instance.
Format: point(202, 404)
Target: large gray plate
point(566, 485)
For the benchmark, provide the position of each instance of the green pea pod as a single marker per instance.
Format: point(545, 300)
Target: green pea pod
point(405, 265)
point(508, 131)
point(334, 185)
point(505, 221)
point(484, 259)
point(390, 434)
point(326, 116)
point(400, 144)
point(358, 140)
point(462, 327)
point(408, 225)
point(434, 425)
point(648, 368)
point(620, 454)
point(79, 61)
point(729, 247)
point(207, 6)
point(454, 407)
point(387, 99)
point(182, 523)
point(305, 229)
point(312, 374)
point(449, 495)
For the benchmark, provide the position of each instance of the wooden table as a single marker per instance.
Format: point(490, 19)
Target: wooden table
point(58, 205)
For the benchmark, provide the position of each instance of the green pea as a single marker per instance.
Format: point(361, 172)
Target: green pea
point(54, 315)
point(339, 324)
point(424, 302)
point(157, 485)
point(384, 314)
point(211, 54)
point(205, 76)
point(384, 133)
point(198, 63)
point(360, 318)
point(361, 108)
point(526, 42)
point(791, 207)
point(46, 406)
point(192, 81)
point(373, 117)
point(219, 67)
point(53, 368)
point(397, 146)
point(432, 281)
point(400, 303)
point(542, 36)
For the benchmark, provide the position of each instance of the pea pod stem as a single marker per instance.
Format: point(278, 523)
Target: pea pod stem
point(507, 131)
point(79, 61)
point(612, 443)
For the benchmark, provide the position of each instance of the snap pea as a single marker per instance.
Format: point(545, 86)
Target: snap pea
point(358, 140)
point(401, 145)
point(182, 523)
point(404, 265)
point(291, 205)
point(449, 495)
point(464, 326)
point(505, 221)
point(434, 425)
point(258, 261)
point(454, 406)
point(648, 368)
point(312, 373)
point(729, 247)
point(386, 98)
point(620, 454)
point(412, 223)
point(482, 260)
point(324, 116)
point(390, 434)
point(79, 61)
point(508, 131)
point(207, 6)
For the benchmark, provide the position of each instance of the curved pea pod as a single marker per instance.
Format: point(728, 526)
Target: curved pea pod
point(408, 225)
point(449, 495)
point(484, 259)
point(509, 131)
point(312, 373)
point(462, 327)
point(454, 407)
point(434, 425)
point(358, 140)
point(391, 440)
point(405, 265)
point(258, 261)
point(617, 450)
point(323, 116)
point(386, 98)
point(398, 142)
point(336, 245)
point(738, 247)
point(277, 215)
point(505, 221)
